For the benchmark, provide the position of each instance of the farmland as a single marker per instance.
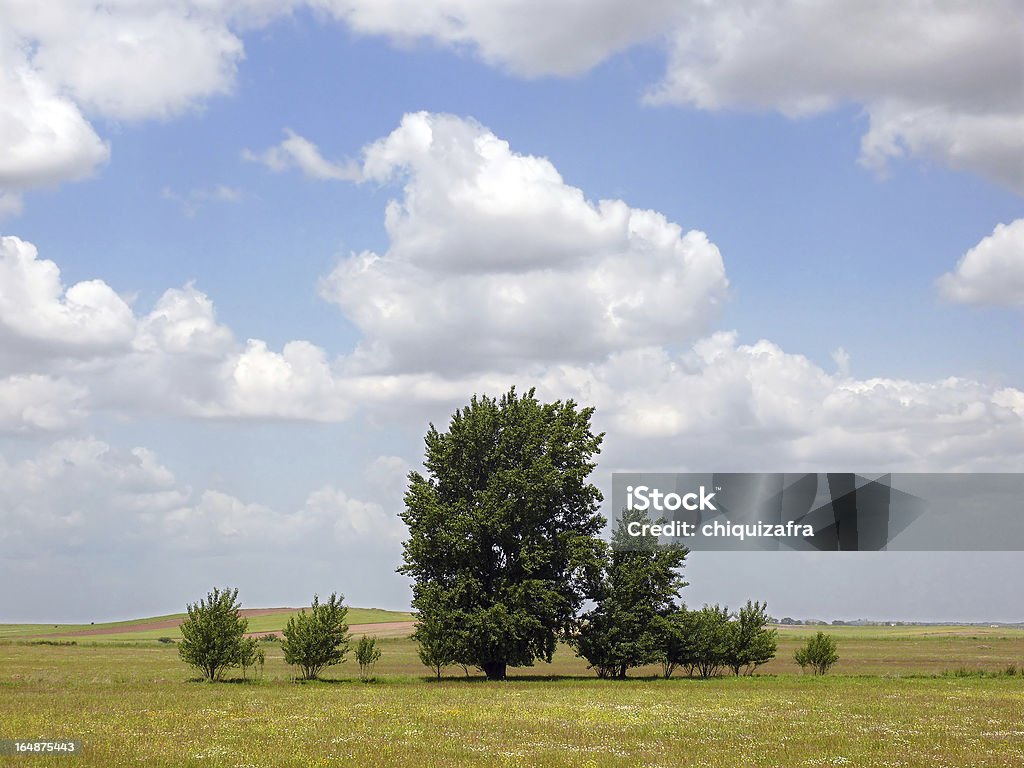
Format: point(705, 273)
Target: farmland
point(887, 704)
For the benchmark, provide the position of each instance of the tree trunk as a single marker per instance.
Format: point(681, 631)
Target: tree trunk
point(495, 670)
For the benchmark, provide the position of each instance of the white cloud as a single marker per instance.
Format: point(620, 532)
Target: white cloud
point(175, 359)
point(36, 309)
point(495, 262)
point(130, 59)
point(937, 79)
point(44, 138)
point(295, 151)
point(126, 59)
point(184, 361)
point(34, 403)
point(992, 272)
point(83, 495)
point(757, 407)
point(530, 38)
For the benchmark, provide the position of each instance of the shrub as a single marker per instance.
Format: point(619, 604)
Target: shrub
point(317, 639)
point(251, 655)
point(367, 654)
point(751, 643)
point(819, 654)
point(438, 640)
point(212, 635)
point(712, 640)
point(165, 640)
point(677, 646)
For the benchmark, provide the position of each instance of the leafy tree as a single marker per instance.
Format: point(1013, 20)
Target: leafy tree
point(677, 646)
point(819, 654)
point(251, 655)
point(503, 529)
point(712, 639)
point(751, 642)
point(213, 634)
point(317, 639)
point(626, 628)
point(438, 636)
point(367, 654)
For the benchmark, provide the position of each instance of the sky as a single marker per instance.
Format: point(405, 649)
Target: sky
point(251, 249)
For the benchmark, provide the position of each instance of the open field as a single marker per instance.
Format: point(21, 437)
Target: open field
point(261, 620)
point(886, 705)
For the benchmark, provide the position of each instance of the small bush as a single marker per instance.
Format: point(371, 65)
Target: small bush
point(819, 654)
point(268, 638)
point(52, 642)
point(212, 636)
point(367, 654)
point(317, 639)
point(165, 640)
point(251, 656)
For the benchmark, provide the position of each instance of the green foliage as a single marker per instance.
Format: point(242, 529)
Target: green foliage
point(677, 647)
point(627, 627)
point(438, 637)
point(318, 638)
point(367, 654)
point(212, 634)
point(751, 643)
point(712, 640)
point(251, 656)
point(503, 531)
point(819, 654)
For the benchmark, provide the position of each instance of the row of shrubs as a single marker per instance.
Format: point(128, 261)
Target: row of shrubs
point(213, 638)
point(704, 642)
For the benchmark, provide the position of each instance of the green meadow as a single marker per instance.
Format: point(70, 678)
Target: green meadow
point(903, 696)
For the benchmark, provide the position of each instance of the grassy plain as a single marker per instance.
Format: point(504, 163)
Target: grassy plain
point(135, 629)
point(887, 704)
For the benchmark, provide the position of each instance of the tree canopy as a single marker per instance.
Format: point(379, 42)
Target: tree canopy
point(212, 637)
point(503, 530)
point(642, 580)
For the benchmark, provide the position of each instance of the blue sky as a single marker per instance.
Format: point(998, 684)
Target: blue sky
point(809, 327)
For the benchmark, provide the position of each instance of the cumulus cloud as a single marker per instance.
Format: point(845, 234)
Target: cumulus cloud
point(494, 261)
point(36, 403)
point(298, 152)
point(936, 79)
point(758, 407)
point(85, 495)
point(992, 272)
point(37, 311)
point(44, 138)
point(753, 407)
point(528, 38)
point(178, 358)
point(129, 59)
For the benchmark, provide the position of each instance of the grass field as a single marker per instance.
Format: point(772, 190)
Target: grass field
point(136, 630)
point(886, 704)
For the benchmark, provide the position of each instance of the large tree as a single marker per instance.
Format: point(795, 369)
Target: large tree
point(503, 529)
